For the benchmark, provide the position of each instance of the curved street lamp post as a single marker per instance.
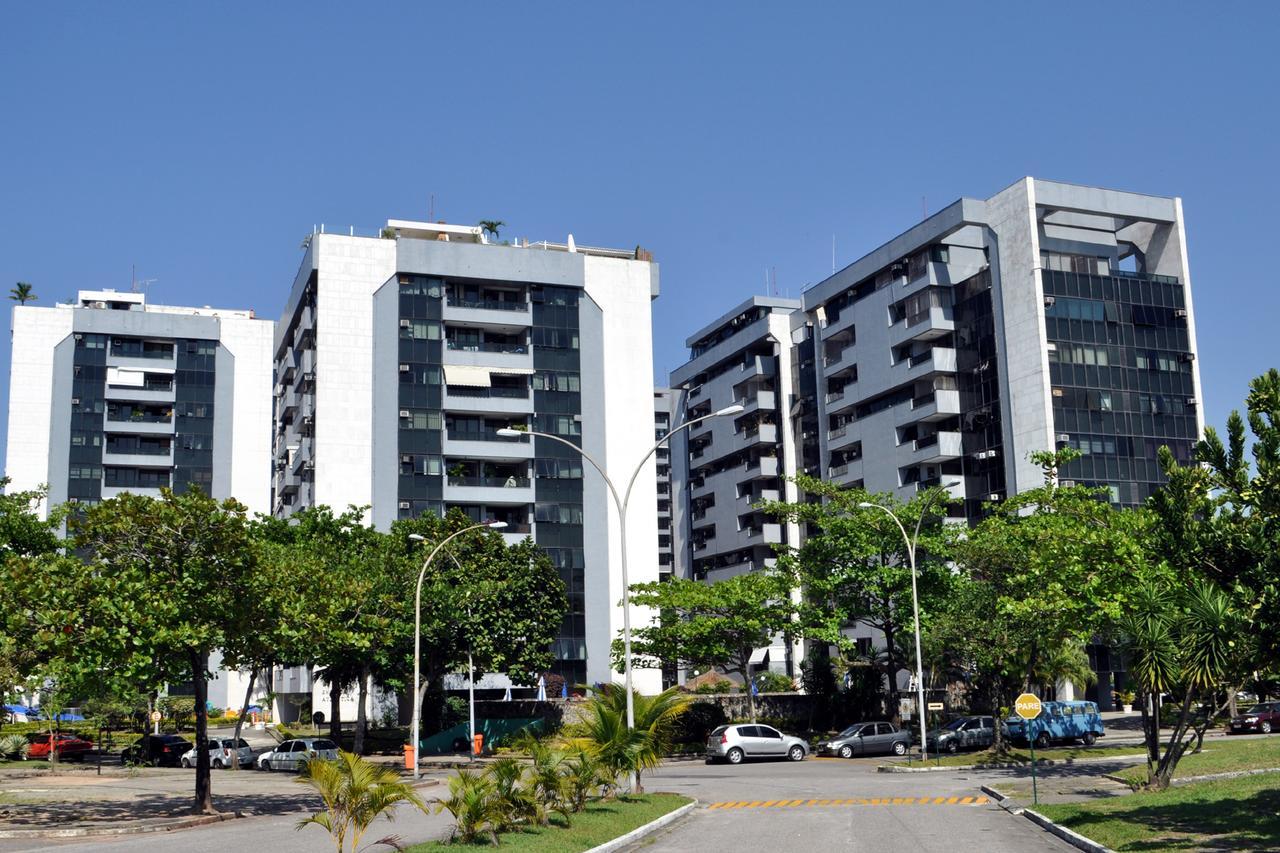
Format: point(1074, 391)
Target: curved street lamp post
point(417, 639)
point(915, 605)
point(620, 503)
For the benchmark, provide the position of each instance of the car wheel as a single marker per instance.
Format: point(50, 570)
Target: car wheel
point(266, 765)
point(734, 756)
point(710, 760)
point(1042, 740)
point(218, 765)
point(846, 751)
point(1089, 738)
point(124, 757)
point(1265, 727)
point(899, 748)
point(186, 764)
point(952, 747)
point(796, 753)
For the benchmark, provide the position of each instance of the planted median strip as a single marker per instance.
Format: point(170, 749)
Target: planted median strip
point(987, 758)
point(1219, 756)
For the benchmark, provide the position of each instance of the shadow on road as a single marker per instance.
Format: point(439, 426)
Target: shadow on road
point(48, 814)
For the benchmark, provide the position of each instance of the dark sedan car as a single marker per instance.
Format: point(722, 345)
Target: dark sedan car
point(156, 750)
point(867, 739)
point(963, 733)
point(1263, 717)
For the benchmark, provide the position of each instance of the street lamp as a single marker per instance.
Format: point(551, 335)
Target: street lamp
point(621, 504)
point(417, 634)
point(915, 602)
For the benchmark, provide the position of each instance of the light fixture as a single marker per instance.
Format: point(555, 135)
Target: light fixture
point(508, 432)
point(728, 410)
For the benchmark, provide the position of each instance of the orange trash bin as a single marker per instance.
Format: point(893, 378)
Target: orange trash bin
point(477, 745)
point(408, 756)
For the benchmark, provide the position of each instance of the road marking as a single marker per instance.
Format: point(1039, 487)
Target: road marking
point(856, 801)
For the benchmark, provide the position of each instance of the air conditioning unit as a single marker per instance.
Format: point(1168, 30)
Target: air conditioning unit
point(404, 324)
point(1191, 401)
point(1066, 484)
point(1062, 437)
point(1180, 313)
point(1049, 301)
point(994, 496)
point(75, 401)
point(404, 368)
point(405, 413)
point(80, 337)
point(986, 454)
point(404, 457)
point(1187, 356)
point(404, 504)
point(1057, 392)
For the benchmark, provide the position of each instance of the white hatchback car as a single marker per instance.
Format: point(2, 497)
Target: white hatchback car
point(737, 742)
point(292, 754)
point(220, 749)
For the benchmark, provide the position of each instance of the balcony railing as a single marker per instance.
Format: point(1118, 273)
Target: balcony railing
point(920, 358)
point(835, 395)
point(471, 391)
point(923, 400)
point(491, 482)
point(140, 417)
point(486, 346)
point(483, 435)
point(488, 304)
point(140, 450)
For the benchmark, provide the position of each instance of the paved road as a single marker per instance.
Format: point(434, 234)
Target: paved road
point(826, 804)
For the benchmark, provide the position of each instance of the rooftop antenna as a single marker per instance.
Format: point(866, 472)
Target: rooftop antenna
point(431, 209)
point(924, 208)
point(137, 285)
point(775, 281)
point(833, 254)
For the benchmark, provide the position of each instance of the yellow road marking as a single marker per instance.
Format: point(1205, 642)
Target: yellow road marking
point(852, 801)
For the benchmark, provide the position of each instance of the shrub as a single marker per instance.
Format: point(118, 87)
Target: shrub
point(555, 684)
point(14, 746)
point(516, 802)
point(712, 688)
point(774, 682)
point(584, 777)
point(355, 792)
point(476, 811)
point(697, 722)
point(453, 711)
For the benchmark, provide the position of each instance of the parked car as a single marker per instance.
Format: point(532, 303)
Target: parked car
point(1059, 722)
point(1263, 717)
point(737, 742)
point(220, 750)
point(962, 733)
point(292, 754)
point(156, 750)
point(66, 747)
point(867, 739)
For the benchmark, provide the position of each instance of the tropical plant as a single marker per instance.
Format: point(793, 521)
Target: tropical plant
point(547, 781)
point(355, 792)
point(773, 682)
point(515, 801)
point(476, 811)
point(22, 293)
point(603, 733)
point(14, 746)
point(491, 226)
point(585, 777)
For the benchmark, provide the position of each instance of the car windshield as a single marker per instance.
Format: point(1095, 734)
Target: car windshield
point(242, 744)
point(1259, 709)
point(954, 725)
point(172, 739)
point(324, 744)
point(851, 731)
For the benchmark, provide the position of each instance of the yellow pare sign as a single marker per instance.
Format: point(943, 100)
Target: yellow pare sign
point(1027, 706)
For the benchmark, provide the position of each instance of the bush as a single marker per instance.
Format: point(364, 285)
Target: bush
point(14, 746)
point(453, 711)
point(555, 684)
point(697, 722)
point(713, 688)
point(774, 682)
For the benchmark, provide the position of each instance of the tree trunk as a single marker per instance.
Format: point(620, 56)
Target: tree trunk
point(891, 708)
point(244, 709)
point(204, 777)
point(362, 716)
point(1177, 746)
point(335, 712)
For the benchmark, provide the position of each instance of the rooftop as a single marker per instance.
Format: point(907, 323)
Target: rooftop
point(113, 300)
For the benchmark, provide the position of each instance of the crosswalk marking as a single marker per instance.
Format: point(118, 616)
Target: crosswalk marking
point(852, 801)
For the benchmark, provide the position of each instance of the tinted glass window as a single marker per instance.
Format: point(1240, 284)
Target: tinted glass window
point(719, 730)
point(765, 731)
point(748, 731)
point(243, 744)
point(325, 744)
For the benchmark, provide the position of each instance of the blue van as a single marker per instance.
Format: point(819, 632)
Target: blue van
point(1058, 722)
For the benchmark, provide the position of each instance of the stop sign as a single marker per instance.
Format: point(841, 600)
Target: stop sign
point(1027, 706)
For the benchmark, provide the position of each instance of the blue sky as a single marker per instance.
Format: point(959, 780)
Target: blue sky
point(201, 142)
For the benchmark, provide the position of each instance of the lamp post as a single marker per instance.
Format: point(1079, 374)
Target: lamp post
point(417, 635)
point(621, 504)
point(915, 605)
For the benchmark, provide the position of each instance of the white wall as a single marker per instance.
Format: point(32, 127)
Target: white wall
point(250, 343)
point(36, 332)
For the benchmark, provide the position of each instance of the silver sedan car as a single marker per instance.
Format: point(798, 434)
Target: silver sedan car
point(293, 754)
point(741, 741)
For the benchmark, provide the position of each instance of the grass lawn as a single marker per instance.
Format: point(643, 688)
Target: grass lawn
point(986, 756)
point(1226, 814)
point(601, 822)
point(1220, 755)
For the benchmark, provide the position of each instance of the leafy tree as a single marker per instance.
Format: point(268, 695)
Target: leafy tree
point(163, 585)
point(22, 293)
point(856, 569)
point(491, 226)
point(355, 793)
point(655, 716)
point(717, 624)
point(23, 534)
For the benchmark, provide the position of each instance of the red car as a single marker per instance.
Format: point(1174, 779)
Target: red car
point(67, 747)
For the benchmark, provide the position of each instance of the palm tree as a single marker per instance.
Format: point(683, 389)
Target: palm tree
point(22, 293)
point(491, 226)
point(475, 807)
point(655, 717)
point(354, 792)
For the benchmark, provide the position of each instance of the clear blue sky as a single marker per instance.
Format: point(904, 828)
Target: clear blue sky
point(202, 141)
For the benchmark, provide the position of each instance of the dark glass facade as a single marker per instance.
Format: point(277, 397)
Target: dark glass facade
point(1120, 366)
point(978, 379)
point(193, 414)
point(421, 487)
point(88, 405)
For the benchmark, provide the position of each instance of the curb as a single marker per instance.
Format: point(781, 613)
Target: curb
point(1008, 765)
point(110, 831)
point(1075, 839)
point(1208, 777)
point(1004, 802)
point(648, 829)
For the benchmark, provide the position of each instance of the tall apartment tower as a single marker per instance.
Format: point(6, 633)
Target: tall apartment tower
point(1048, 315)
point(725, 466)
point(111, 394)
point(662, 404)
point(398, 359)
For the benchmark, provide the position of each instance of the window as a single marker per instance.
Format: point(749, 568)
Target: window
point(425, 330)
point(553, 380)
point(771, 734)
point(420, 419)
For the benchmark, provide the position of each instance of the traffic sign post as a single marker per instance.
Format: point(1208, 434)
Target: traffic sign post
point(1028, 707)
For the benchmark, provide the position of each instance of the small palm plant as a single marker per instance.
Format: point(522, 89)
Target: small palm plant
point(491, 226)
point(655, 717)
point(477, 811)
point(22, 293)
point(517, 803)
point(355, 792)
point(584, 778)
point(617, 749)
point(547, 782)
point(14, 746)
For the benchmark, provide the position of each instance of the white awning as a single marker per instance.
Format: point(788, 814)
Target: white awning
point(759, 656)
point(463, 374)
point(126, 377)
point(511, 371)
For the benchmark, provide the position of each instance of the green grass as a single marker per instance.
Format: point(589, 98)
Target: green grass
point(601, 822)
point(1220, 756)
point(1226, 814)
point(1022, 756)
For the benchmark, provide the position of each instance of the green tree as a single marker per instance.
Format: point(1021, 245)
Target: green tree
point(163, 583)
point(491, 226)
point(655, 716)
point(24, 534)
point(711, 624)
point(856, 569)
point(22, 293)
point(355, 793)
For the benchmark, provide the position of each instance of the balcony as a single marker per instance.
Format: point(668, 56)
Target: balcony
point(759, 534)
point(758, 434)
point(486, 354)
point(935, 360)
point(935, 323)
point(489, 490)
point(759, 400)
point(934, 406)
point(138, 424)
point(496, 399)
point(935, 448)
point(490, 313)
point(143, 491)
point(766, 466)
point(486, 445)
point(138, 458)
